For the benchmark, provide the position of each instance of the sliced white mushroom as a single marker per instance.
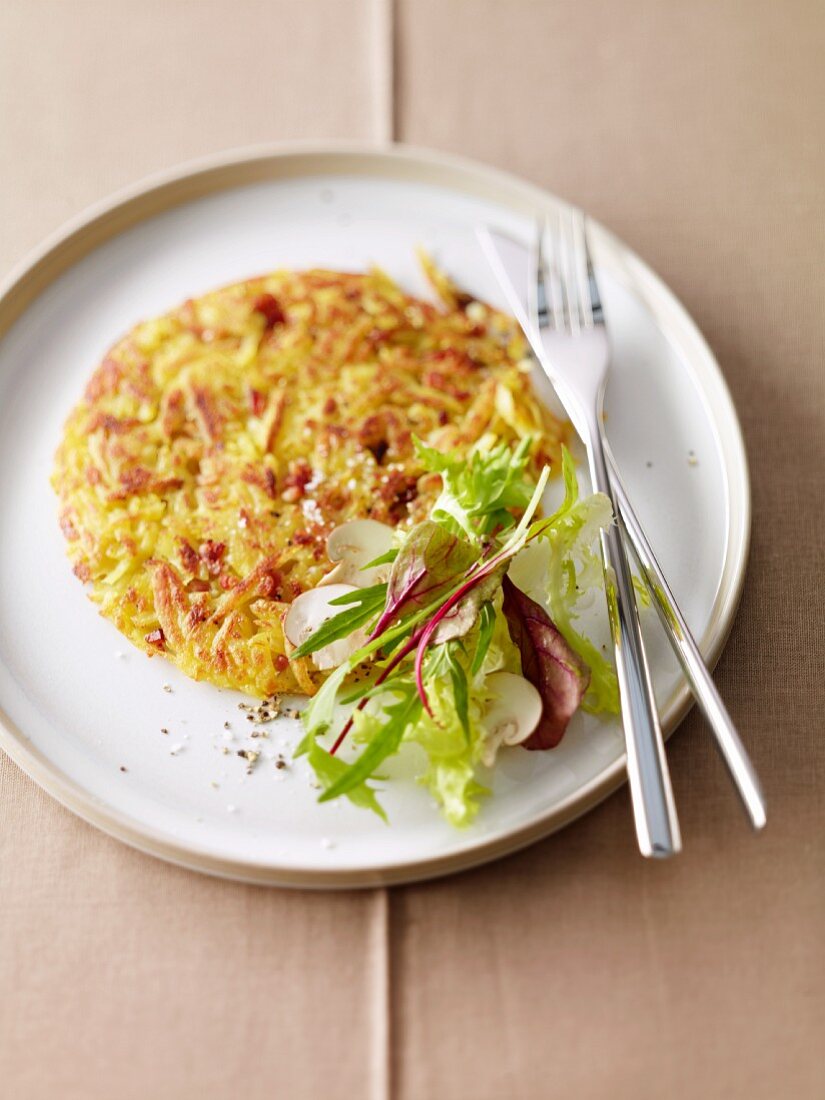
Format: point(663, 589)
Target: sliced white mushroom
point(513, 714)
point(352, 546)
point(309, 611)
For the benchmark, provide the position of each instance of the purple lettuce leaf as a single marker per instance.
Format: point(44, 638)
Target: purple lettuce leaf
point(547, 661)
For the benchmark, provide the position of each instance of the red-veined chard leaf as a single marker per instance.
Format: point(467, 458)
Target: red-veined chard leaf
point(462, 617)
point(427, 565)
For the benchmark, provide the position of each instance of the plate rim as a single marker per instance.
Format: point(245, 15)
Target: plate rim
point(164, 190)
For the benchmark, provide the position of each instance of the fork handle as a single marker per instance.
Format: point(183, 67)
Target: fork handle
point(728, 741)
point(654, 810)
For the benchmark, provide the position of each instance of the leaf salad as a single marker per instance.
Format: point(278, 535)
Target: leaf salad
point(448, 652)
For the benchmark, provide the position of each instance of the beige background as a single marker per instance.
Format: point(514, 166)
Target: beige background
point(575, 969)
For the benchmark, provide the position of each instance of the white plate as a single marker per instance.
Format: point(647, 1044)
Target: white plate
point(76, 714)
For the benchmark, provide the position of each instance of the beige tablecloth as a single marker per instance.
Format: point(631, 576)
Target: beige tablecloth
point(574, 969)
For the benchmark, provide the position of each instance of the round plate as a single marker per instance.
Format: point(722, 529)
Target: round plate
point(83, 712)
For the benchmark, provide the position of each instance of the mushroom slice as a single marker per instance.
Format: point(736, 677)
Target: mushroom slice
point(512, 715)
point(309, 611)
point(351, 546)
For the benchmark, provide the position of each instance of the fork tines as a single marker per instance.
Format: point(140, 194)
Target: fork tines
point(567, 293)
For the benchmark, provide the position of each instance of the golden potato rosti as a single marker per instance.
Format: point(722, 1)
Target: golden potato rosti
point(218, 445)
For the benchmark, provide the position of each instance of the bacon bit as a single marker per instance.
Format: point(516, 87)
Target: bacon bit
point(139, 480)
point(197, 585)
point(304, 538)
point(373, 431)
point(443, 417)
point(242, 590)
point(226, 582)
point(105, 380)
point(270, 485)
point(438, 381)
point(281, 662)
point(268, 305)
point(173, 413)
point(212, 553)
point(209, 420)
point(264, 479)
point(330, 406)
point(196, 615)
point(156, 638)
point(165, 485)
point(111, 424)
point(376, 336)
point(457, 362)
point(296, 480)
point(135, 479)
point(93, 475)
point(398, 491)
point(190, 319)
point(67, 527)
point(269, 587)
point(257, 402)
point(82, 571)
point(402, 444)
point(274, 418)
point(189, 558)
point(332, 500)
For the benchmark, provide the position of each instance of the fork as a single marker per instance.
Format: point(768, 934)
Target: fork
point(566, 311)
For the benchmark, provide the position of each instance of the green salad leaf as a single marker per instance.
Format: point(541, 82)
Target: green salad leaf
point(573, 568)
point(479, 495)
point(448, 618)
point(486, 625)
point(384, 740)
point(364, 604)
point(331, 770)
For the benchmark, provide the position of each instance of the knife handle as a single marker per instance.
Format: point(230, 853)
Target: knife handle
point(729, 743)
point(654, 809)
